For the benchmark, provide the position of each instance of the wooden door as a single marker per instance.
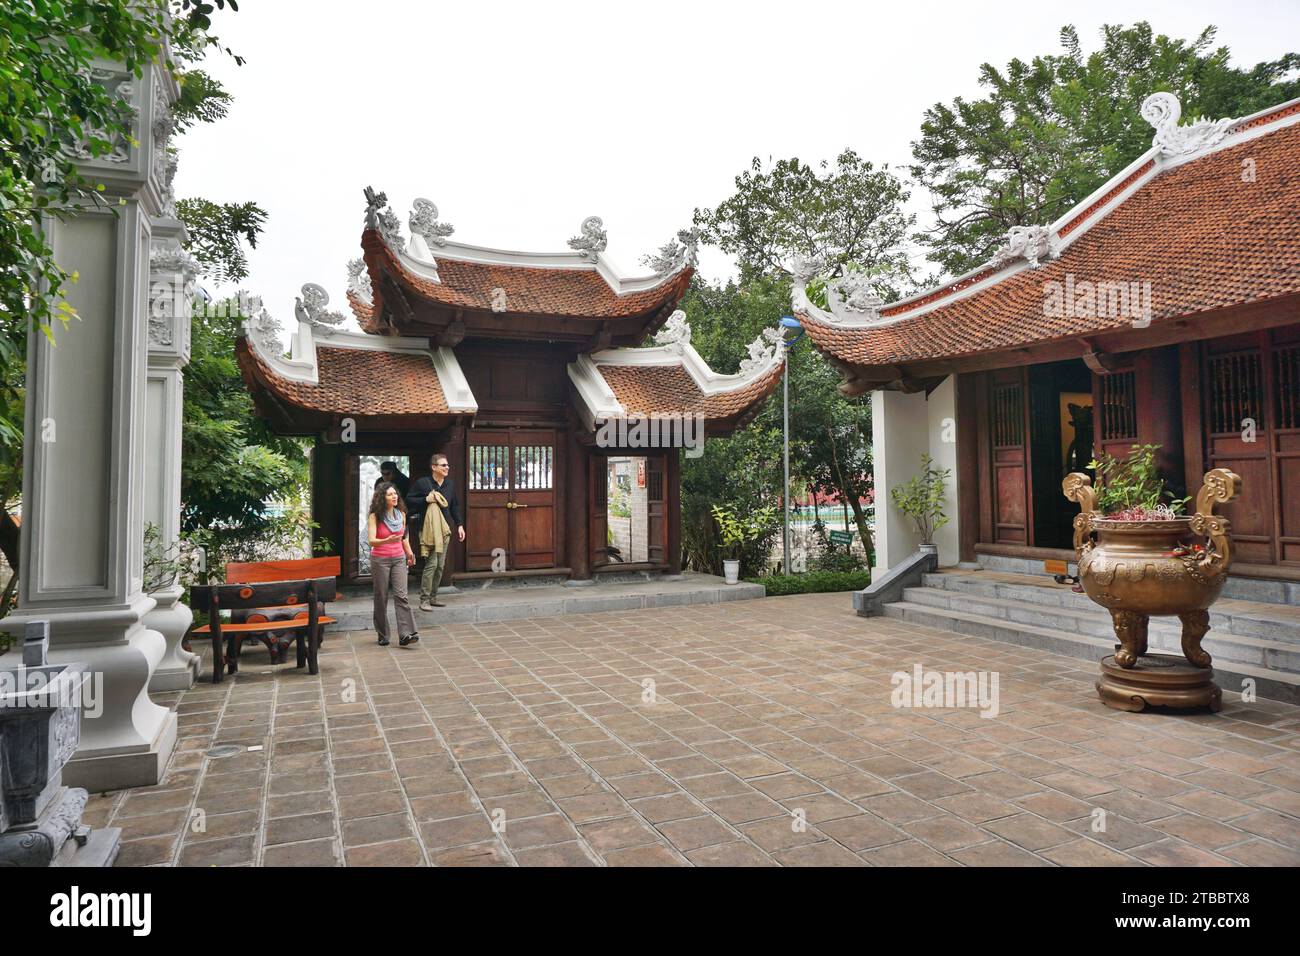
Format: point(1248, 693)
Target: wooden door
point(532, 515)
point(1010, 456)
point(1252, 426)
point(510, 499)
point(487, 484)
point(656, 522)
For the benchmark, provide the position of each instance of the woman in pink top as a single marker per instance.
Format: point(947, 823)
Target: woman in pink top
point(390, 556)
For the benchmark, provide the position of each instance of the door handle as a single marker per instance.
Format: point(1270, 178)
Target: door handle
point(515, 504)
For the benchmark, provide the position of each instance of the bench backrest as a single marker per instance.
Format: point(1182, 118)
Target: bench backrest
point(252, 572)
point(227, 597)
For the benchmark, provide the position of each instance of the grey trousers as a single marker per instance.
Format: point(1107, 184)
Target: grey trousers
point(435, 562)
point(389, 574)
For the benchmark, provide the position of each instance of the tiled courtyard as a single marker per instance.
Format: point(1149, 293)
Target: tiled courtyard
point(767, 737)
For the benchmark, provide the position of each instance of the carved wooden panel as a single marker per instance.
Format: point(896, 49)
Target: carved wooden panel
point(1009, 457)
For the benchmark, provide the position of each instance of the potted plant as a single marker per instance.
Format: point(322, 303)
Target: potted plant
point(1139, 556)
point(738, 531)
point(921, 498)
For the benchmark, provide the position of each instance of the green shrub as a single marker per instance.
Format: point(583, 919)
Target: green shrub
point(813, 582)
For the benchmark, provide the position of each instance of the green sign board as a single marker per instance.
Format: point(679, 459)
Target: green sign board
point(842, 537)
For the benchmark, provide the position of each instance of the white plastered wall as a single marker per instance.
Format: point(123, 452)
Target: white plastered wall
point(905, 426)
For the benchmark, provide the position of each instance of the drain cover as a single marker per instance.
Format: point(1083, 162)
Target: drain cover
point(225, 750)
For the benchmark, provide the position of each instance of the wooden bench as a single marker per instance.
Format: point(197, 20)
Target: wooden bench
point(258, 572)
point(215, 598)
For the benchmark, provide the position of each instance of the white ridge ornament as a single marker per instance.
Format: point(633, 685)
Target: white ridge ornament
point(424, 223)
point(1031, 243)
point(593, 238)
point(1163, 111)
point(310, 308)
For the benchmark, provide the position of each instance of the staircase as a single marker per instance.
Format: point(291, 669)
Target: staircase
point(1248, 638)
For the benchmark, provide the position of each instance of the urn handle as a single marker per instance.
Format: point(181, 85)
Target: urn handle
point(1078, 487)
point(1220, 485)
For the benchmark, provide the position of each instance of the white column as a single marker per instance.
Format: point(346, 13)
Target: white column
point(171, 289)
point(899, 436)
point(941, 410)
point(84, 457)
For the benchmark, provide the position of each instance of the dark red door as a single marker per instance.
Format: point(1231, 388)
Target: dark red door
point(1009, 454)
point(510, 499)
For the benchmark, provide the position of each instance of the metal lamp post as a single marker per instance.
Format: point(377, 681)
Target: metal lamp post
point(787, 322)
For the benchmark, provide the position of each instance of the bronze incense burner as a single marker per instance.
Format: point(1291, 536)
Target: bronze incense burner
point(1136, 569)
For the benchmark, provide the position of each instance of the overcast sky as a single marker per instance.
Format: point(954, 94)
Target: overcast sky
point(520, 119)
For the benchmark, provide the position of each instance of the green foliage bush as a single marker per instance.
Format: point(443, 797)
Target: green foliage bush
point(813, 582)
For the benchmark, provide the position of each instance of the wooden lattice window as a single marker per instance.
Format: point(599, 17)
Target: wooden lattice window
point(533, 467)
point(1118, 406)
point(1288, 386)
point(654, 484)
point(1236, 391)
point(1008, 416)
point(489, 467)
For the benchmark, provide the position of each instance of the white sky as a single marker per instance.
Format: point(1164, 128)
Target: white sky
point(520, 119)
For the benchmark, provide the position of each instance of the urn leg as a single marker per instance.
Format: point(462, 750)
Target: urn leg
point(1131, 630)
point(1195, 624)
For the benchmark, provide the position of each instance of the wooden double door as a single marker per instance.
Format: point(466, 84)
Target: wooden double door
point(511, 518)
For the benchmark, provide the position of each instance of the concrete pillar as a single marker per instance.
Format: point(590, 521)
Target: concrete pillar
point(899, 426)
point(905, 426)
point(171, 289)
point(941, 413)
point(84, 455)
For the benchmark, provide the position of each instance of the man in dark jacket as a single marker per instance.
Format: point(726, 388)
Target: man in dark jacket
point(417, 501)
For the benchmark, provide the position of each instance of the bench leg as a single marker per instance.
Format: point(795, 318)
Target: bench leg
point(232, 654)
point(300, 643)
point(218, 665)
point(313, 645)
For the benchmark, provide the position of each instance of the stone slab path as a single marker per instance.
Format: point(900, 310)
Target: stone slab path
point(753, 732)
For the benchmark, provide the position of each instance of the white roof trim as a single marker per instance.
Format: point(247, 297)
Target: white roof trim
point(302, 364)
point(455, 387)
point(1234, 137)
point(419, 259)
point(706, 380)
point(598, 400)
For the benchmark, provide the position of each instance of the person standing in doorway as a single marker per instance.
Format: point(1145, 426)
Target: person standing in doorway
point(435, 502)
point(388, 471)
point(390, 556)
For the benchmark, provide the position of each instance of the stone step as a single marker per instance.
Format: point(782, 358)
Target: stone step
point(1272, 684)
point(1265, 621)
point(1264, 590)
point(1164, 634)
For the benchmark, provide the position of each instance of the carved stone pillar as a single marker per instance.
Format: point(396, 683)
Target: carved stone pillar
point(82, 543)
point(171, 290)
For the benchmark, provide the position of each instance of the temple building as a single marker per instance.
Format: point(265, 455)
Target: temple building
point(529, 371)
point(1163, 309)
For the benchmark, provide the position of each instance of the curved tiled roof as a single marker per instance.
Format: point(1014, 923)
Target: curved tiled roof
point(561, 292)
point(358, 382)
point(1202, 234)
point(670, 390)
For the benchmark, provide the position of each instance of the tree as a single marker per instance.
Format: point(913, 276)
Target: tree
point(847, 214)
point(831, 437)
point(1052, 130)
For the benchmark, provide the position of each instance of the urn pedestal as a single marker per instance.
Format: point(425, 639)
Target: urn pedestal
point(40, 726)
point(1140, 569)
